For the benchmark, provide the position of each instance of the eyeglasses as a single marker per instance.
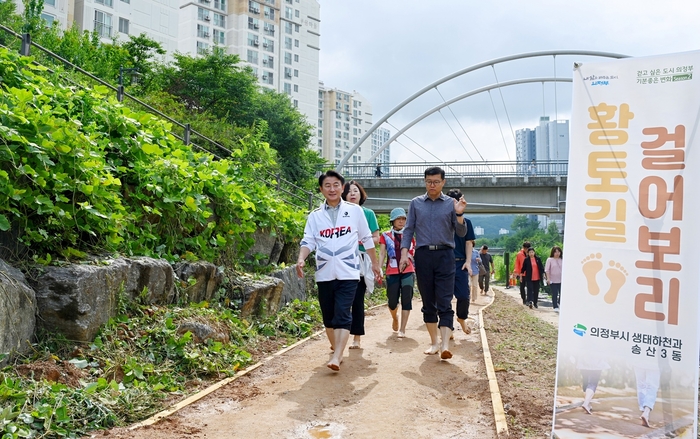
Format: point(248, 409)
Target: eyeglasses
point(433, 182)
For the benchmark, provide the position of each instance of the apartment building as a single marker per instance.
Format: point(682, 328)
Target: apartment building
point(379, 137)
point(343, 118)
point(279, 39)
point(549, 141)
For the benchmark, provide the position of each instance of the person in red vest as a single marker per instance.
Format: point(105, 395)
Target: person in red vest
point(518, 270)
point(534, 274)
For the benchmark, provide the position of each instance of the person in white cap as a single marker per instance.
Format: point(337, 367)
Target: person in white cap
point(399, 285)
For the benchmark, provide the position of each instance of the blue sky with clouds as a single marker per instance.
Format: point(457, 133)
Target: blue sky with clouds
point(389, 49)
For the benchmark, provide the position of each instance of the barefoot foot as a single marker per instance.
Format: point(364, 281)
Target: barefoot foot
point(333, 365)
point(645, 421)
point(355, 345)
point(432, 350)
point(401, 334)
point(445, 355)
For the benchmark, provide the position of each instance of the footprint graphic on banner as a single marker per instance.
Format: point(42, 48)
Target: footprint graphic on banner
point(591, 266)
point(616, 274)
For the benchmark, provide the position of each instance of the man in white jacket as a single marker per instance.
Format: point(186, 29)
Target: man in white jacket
point(334, 232)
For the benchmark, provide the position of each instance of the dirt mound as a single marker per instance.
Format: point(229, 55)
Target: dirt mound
point(63, 372)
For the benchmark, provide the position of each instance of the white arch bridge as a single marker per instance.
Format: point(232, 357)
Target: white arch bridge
point(492, 187)
point(489, 187)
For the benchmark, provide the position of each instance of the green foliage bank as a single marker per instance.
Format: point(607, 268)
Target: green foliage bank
point(80, 172)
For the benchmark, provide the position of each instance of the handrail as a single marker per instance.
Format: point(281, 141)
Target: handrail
point(490, 169)
point(309, 196)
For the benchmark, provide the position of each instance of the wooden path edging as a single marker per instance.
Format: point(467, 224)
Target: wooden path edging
point(201, 394)
point(496, 401)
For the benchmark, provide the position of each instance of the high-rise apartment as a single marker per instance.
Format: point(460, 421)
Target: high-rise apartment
point(379, 137)
point(343, 118)
point(548, 142)
point(525, 149)
point(279, 39)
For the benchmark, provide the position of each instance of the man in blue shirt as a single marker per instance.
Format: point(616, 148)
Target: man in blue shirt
point(434, 219)
point(463, 253)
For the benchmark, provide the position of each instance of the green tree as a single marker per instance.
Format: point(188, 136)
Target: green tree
point(32, 15)
point(142, 51)
point(216, 83)
point(288, 133)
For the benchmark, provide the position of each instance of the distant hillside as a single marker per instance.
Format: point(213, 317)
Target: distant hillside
point(492, 224)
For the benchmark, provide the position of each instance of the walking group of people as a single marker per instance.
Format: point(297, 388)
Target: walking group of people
point(530, 272)
point(432, 245)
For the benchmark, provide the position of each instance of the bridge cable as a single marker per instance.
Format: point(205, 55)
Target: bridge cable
point(500, 91)
point(453, 131)
point(499, 124)
point(424, 149)
point(556, 112)
point(543, 109)
point(412, 152)
point(419, 145)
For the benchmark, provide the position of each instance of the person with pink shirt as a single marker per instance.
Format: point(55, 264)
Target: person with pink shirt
point(553, 271)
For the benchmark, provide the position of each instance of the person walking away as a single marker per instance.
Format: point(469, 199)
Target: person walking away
point(378, 171)
point(333, 231)
point(475, 261)
point(553, 271)
point(354, 193)
point(489, 267)
point(463, 261)
point(534, 272)
point(398, 284)
point(434, 218)
point(518, 270)
point(648, 381)
point(591, 366)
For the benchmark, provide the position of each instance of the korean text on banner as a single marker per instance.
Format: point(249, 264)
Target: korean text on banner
point(627, 361)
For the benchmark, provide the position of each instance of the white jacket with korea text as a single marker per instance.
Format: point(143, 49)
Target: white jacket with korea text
point(337, 246)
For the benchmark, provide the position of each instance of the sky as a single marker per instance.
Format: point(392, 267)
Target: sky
point(387, 50)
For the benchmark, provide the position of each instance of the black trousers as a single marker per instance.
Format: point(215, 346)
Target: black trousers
point(523, 290)
point(435, 273)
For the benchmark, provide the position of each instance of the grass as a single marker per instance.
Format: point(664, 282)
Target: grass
point(524, 354)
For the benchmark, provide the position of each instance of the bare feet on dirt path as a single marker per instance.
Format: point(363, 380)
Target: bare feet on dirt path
point(387, 389)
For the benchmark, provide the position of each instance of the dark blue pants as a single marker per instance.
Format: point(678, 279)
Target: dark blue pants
point(358, 309)
point(335, 298)
point(556, 290)
point(435, 273)
point(400, 286)
point(461, 290)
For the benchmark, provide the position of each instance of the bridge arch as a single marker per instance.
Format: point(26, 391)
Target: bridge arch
point(491, 63)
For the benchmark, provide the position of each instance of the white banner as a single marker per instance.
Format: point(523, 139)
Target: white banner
point(627, 361)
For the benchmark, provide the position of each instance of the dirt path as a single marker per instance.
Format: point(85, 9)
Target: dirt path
point(388, 389)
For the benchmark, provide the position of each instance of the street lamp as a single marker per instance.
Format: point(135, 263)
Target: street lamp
point(120, 88)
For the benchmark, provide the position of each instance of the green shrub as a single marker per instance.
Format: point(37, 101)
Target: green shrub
point(80, 172)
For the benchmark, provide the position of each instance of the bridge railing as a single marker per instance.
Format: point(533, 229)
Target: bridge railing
point(552, 168)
